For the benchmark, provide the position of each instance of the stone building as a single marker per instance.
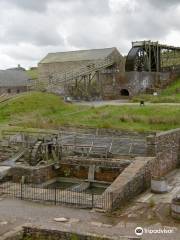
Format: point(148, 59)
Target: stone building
point(13, 81)
point(83, 73)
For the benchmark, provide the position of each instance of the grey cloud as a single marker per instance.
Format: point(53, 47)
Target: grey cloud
point(125, 24)
point(144, 22)
point(87, 40)
point(32, 28)
point(94, 7)
point(60, 25)
point(33, 5)
point(162, 4)
point(39, 37)
point(82, 6)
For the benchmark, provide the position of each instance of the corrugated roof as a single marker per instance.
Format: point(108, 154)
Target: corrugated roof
point(13, 78)
point(81, 55)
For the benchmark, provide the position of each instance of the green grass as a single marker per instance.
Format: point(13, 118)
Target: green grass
point(33, 73)
point(44, 110)
point(169, 95)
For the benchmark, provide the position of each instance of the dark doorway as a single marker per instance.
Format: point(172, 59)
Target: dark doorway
point(9, 90)
point(18, 91)
point(124, 92)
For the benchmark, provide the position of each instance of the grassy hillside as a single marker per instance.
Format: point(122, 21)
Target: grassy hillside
point(43, 110)
point(33, 73)
point(170, 94)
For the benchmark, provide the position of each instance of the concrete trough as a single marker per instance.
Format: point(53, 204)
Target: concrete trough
point(159, 185)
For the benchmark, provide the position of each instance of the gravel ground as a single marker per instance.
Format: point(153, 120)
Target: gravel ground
point(14, 213)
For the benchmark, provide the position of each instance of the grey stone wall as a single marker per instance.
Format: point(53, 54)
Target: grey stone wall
point(164, 155)
point(47, 69)
point(166, 147)
point(131, 182)
point(140, 82)
point(13, 90)
point(110, 89)
point(39, 233)
point(105, 171)
point(84, 161)
point(36, 175)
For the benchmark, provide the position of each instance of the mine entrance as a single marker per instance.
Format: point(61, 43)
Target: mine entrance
point(124, 92)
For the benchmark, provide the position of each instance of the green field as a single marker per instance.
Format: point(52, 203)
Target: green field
point(44, 110)
point(169, 95)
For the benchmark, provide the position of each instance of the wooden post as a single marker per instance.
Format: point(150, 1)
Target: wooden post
point(150, 57)
point(158, 57)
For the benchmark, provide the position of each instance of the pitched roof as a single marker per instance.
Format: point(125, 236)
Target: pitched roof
point(81, 55)
point(13, 78)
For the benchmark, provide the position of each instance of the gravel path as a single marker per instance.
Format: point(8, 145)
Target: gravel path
point(121, 102)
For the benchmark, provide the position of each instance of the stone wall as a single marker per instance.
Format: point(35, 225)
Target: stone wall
point(36, 175)
point(106, 174)
point(131, 182)
point(106, 170)
point(166, 147)
point(37, 233)
point(98, 162)
point(140, 82)
point(40, 233)
point(164, 155)
point(110, 85)
point(47, 69)
point(13, 90)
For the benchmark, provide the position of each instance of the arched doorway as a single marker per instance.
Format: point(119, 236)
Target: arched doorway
point(124, 92)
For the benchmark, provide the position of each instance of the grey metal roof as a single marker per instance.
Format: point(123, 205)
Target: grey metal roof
point(13, 78)
point(81, 55)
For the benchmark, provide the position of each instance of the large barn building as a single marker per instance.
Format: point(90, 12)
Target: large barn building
point(82, 74)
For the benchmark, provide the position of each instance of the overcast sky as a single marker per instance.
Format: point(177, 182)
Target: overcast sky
point(29, 29)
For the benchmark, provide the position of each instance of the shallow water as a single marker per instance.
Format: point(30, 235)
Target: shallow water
point(68, 185)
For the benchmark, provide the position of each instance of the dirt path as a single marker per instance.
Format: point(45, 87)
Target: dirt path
point(121, 102)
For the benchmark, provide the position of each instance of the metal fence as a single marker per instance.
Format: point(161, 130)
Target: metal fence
point(55, 196)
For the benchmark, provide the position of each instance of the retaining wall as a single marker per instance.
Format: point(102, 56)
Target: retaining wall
point(164, 155)
point(140, 82)
point(37, 233)
point(131, 182)
point(166, 147)
point(105, 170)
point(36, 175)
